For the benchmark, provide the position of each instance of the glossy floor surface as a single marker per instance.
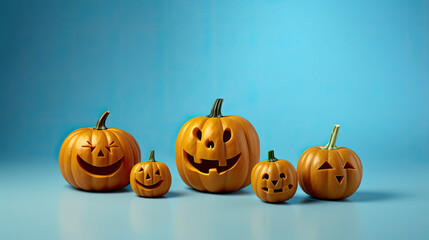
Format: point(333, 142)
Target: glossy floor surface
point(36, 203)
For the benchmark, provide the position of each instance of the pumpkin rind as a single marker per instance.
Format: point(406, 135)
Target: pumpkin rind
point(274, 168)
point(334, 182)
point(190, 151)
point(161, 182)
point(114, 160)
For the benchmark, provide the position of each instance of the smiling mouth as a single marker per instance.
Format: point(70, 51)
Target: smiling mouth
point(265, 189)
point(206, 165)
point(103, 171)
point(153, 186)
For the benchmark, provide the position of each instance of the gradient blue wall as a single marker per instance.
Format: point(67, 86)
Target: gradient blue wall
point(292, 68)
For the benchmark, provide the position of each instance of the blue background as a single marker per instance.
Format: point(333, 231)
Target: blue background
point(292, 68)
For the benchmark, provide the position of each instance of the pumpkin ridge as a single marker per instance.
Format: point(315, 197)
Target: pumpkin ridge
point(249, 132)
point(306, 164)
point(222, 120)
point(345, 174)
point(126, 148)
point(67, 169)
point(316, 158)
point(357, 169)
point(79, 183)
point(179, 154)
point(132, 141)
point(191, 123)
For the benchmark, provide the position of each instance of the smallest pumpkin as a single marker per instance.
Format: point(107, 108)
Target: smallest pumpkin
point(151, 178)
point(274, 180)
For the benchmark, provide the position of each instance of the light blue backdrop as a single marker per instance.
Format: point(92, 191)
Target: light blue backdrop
point(292, 68)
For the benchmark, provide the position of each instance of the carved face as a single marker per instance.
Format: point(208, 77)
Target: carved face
point(98, 160)
point(150, 179)
point(213, 154)
point(99, 157)
point(329, 174)
point(274, 181)
point(217, 153)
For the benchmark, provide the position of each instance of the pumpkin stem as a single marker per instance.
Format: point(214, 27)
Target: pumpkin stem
point(152, 156)
point(333, 139)
point(101, 124)
point(271, 157)
point(216, 109)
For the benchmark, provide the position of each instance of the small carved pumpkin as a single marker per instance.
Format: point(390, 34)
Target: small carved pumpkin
point(274, 180)
point(217, 153)
point(151, 178)
point(329, 172)
point(99, 158)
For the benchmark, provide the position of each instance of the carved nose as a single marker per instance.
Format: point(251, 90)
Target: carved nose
point(100, 154)
point(339, 178)
point(209, 144)
point(274, 182)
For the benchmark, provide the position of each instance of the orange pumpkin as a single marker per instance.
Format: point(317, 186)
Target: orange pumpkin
point(274, 180)
point(329, 172)
point(151, 178)
point(217, 153)
point(98, 158)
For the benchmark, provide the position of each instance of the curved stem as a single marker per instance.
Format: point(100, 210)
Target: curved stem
point(333, 139)
point(216, 109)
point(152, 156)
point(101, 124)
point(271, 157)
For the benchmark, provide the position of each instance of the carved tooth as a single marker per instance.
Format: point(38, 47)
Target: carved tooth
point(213, 171)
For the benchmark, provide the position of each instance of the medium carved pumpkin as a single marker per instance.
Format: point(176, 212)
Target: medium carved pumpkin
point(151, 178)
point(217, 153)
point(99, 158)
point(274, 180)
point(329, 172)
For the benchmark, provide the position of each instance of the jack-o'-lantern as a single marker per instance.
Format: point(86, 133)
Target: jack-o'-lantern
point(98, 158)
point(274, 180)
point(329, 172)
point(151, 178)
point(216, 153)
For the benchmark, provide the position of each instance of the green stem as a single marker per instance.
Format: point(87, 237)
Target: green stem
point(151, 156)
point(271, 157)
point(333, 139)
point(216, 109)
point(101, 124)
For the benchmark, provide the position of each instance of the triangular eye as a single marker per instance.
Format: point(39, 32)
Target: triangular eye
point(157, 172)
point(348, 166)
point(141, 170)
point(326, 165)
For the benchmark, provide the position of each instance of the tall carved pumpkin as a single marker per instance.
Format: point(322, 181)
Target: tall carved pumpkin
point(216, 153)
point(329, 172)
point(98, 158)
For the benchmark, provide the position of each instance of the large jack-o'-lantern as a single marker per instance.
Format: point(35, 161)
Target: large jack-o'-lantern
point(329, 172)
point(217, 153)
point(98, 158)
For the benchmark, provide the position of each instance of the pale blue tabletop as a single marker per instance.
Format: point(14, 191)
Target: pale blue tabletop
point(37, 203)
